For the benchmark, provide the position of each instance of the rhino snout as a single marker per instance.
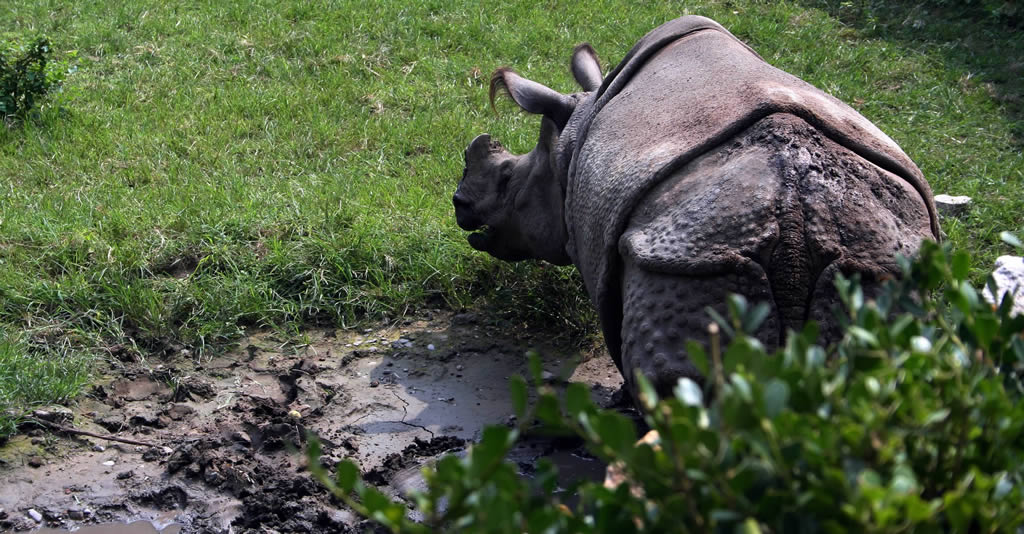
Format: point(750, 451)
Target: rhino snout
point(464, 216)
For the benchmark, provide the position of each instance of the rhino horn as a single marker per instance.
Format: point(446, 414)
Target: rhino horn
point(481, 146)
point(586, 67)
point(532, 96)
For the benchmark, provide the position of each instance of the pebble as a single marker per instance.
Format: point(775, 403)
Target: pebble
point(108, 463)
point(374, 383)
point(124, 475)
point(98, 448)
point(76, 514)
point(401, 343)
point(35, 461)
point(430, 346)
point(952, 206)
point(460, 367)
point(36, 516)
point(242, 437)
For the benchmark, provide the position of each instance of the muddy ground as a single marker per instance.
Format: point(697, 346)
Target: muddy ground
point(221, 433)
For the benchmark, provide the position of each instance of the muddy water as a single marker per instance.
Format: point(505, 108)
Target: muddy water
point(138, 527)
point(224, 431)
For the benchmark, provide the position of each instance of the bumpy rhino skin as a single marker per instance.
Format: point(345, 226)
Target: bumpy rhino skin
point(765, 186)
point(773, 215)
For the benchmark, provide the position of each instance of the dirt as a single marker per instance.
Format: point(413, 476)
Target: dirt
point(222, 434)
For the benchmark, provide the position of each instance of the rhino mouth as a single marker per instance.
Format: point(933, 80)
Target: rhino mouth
point(480, 239)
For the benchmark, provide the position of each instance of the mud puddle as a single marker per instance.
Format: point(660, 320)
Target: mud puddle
point(215, 439)
point(138, 527)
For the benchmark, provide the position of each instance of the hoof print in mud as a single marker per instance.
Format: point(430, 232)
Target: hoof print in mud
point(169, 498)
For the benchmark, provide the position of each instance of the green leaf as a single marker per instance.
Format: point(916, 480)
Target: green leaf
point(616, 431)
point(961, 265)
point(753, 320)
point(863, 335)
point(741, 386)
point(688, 392)
point(749, 526)
point(347, 473)
point(720, 321)
point(517, 390)
point(903, 481)
point(547, 410)
point(698, 357)
point(493, 446)
point(648, 396)
point(1011, 240)
point(776, 395)
point(535, 366)
point(577, 399)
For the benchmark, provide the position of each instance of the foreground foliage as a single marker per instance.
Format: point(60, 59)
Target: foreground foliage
point(912, 422)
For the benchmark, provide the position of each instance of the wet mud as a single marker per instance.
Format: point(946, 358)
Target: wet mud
point(215, 441)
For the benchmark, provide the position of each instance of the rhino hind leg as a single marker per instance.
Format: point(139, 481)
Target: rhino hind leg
point(663, 311)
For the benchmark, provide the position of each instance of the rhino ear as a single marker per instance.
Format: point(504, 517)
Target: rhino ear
point(532, 96)
point(586, 67)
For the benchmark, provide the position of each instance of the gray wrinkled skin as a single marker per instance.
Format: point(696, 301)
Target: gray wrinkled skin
point(695, 170)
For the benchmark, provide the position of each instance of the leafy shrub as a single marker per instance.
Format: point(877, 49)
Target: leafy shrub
point(27, 74)
point(912, 422)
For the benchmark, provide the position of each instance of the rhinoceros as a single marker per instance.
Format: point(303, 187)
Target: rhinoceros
point(694, 169)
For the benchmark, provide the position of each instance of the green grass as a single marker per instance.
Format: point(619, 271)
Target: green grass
point(233, 164)
point(33, 372)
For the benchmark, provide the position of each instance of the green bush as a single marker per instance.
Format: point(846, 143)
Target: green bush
point(912, 422)
point(27, 74)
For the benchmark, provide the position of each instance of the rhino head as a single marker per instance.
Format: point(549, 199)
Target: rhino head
point(514, 204)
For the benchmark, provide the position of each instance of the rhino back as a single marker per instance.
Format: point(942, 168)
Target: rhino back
point(667, 106)
point(784, 196)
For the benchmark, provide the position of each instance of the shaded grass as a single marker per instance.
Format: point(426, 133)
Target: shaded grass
point(231, 164)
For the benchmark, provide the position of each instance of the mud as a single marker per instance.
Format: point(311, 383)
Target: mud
point(222, 433)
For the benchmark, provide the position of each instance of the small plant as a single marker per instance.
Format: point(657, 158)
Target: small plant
point(912, 422)
point(27, 74)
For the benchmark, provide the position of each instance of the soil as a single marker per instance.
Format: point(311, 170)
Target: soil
point(222, 434)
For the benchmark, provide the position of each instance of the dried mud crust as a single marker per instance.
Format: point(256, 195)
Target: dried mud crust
point(224, 431)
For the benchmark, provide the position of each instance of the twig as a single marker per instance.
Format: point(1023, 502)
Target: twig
point(75, 431)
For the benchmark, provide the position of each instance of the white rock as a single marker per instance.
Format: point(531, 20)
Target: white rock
point(36, 516)
point(430, 346)
point(1009, 276)
point(951, 206)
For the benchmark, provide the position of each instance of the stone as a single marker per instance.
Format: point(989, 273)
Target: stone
point(59, 415)
point(242, 438)
point(952, 206)
point(36, 516)
point(111, 422)
point(1009, 277)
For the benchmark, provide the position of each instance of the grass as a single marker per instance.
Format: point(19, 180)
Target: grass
point(36, 373)
point(233, 164)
